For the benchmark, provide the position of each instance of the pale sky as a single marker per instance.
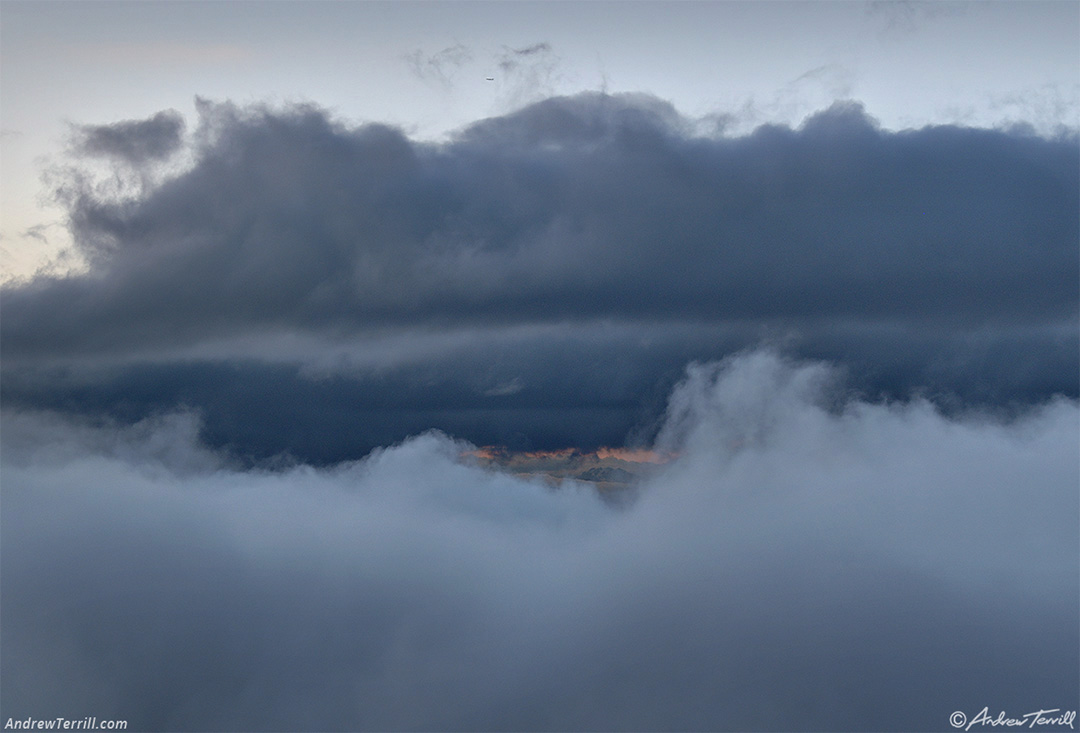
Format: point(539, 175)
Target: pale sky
point(423, 66)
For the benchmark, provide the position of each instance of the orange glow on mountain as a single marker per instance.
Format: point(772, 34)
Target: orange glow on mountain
point(634, 455)
point(487, 453)
point(505, 455)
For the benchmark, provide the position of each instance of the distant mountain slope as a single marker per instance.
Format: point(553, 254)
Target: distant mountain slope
point(608, 468)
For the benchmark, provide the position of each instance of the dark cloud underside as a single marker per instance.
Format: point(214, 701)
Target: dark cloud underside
point(540, 392)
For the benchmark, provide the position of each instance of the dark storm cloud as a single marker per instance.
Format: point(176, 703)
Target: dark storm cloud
point(807, 563)
point(133, 141)
point(573, 208)
point(542, 277)
point(564, 386)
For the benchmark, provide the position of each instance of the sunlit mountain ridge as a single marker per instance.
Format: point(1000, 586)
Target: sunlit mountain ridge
point(607, 468)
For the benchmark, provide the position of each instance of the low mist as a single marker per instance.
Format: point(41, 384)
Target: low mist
point(808, 560)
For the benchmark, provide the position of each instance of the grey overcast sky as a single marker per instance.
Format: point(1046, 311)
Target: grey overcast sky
point(423, 66)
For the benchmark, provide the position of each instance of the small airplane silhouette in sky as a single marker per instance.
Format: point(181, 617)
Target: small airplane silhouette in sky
point(489, 78)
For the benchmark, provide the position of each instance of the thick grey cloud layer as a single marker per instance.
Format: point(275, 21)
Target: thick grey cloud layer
point(807, 563)
point(319, 289)
point(571, 209)
point(583, 386)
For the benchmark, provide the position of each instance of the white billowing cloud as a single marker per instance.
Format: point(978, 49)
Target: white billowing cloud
point(166, 444)
point(936, 494)
point(808, 561)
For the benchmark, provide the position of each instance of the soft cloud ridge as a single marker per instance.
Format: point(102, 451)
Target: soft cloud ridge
point(809, 561)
